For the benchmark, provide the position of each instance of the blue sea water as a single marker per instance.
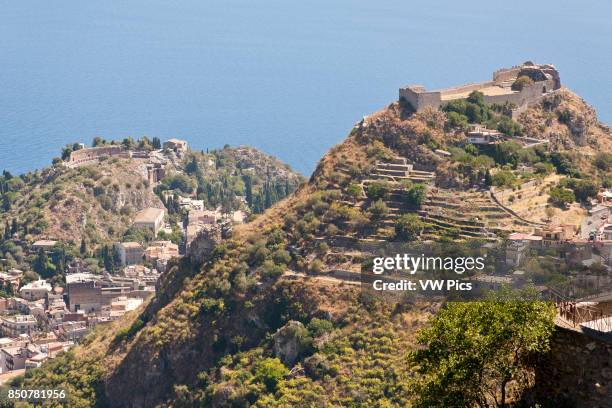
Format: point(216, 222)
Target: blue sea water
point(288, 77)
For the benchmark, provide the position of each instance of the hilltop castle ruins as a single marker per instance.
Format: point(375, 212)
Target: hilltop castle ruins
point(504, 88)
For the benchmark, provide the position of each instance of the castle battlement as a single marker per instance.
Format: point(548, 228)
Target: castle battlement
point(500, 90)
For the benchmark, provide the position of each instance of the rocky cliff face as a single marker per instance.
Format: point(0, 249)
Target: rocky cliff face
point(568, 121)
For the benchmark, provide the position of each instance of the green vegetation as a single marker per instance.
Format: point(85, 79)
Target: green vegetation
point(378, 190)
point(270, 371)
point(355, 191)
point(220, 177)
point(561, 196)
point(416, 195)
point(408, 227)
point(378, 209)
point(503, 178)
point(461, 112)
point(583, 189)
point(603, 161)
point(474, 350)
point(522, 82)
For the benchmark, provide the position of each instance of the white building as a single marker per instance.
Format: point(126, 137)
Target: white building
point(35, 290)
point(14, 325)
point(151, 218)
point(482, 135)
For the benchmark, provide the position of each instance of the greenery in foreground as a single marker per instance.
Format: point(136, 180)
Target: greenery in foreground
point(473, 354)
point(476, 352)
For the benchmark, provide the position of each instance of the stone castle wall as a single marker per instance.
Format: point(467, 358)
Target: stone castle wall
point(419, 98)
point(449, 92)
point(433, 99)
point(506, 74)
point(577, 372)
point(95, 153)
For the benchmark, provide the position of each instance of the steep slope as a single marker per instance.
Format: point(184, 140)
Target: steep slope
point(258, 323)
point(70, 204)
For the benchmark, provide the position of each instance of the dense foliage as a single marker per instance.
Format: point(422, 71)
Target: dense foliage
point(474, 350)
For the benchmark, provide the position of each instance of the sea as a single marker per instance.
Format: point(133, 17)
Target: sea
point(289, 77)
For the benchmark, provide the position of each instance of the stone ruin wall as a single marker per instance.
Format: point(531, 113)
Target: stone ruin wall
point(94, 153)
point(577, 372)
point(506, 74)
point(420, 99)
point(466, 88)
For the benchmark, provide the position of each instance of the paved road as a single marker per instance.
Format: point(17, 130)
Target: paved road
point(591, 223)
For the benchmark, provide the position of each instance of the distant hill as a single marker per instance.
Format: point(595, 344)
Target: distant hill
point(96, 202)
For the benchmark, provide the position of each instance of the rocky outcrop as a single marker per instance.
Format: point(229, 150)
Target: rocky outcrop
point(291, 341)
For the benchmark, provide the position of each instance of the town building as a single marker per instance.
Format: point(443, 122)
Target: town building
point(90, 294)
point(130, 253)
point(72, 331)
point(483, 136)
point(84, 295)
point(555, 234)
point(161, 252)
point(14, 325)
point(7, 342)
point(13, 358)
point(93, 154)
point(122, 305)
point(175, 144)
point(604, 197)
point(155, 172)
point(606, 233)
point(35, 290)
point(12, 278)
point(239, 217)
point(151, 218)
point(190, 204)
point(44, 244)
point(517, 246)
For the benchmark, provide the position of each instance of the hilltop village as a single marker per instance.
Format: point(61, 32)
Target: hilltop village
point(87, 287)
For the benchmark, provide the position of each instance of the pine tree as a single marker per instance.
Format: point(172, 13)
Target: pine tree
point(267, 196)
point(107, 258)
point(169, 205)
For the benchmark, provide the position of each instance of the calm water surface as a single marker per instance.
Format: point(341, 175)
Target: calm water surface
point(288, 77)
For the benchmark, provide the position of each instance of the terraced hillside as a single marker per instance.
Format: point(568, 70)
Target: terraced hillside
point(255, 324)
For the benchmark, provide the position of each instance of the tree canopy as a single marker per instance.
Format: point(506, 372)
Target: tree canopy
point(473, 350)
